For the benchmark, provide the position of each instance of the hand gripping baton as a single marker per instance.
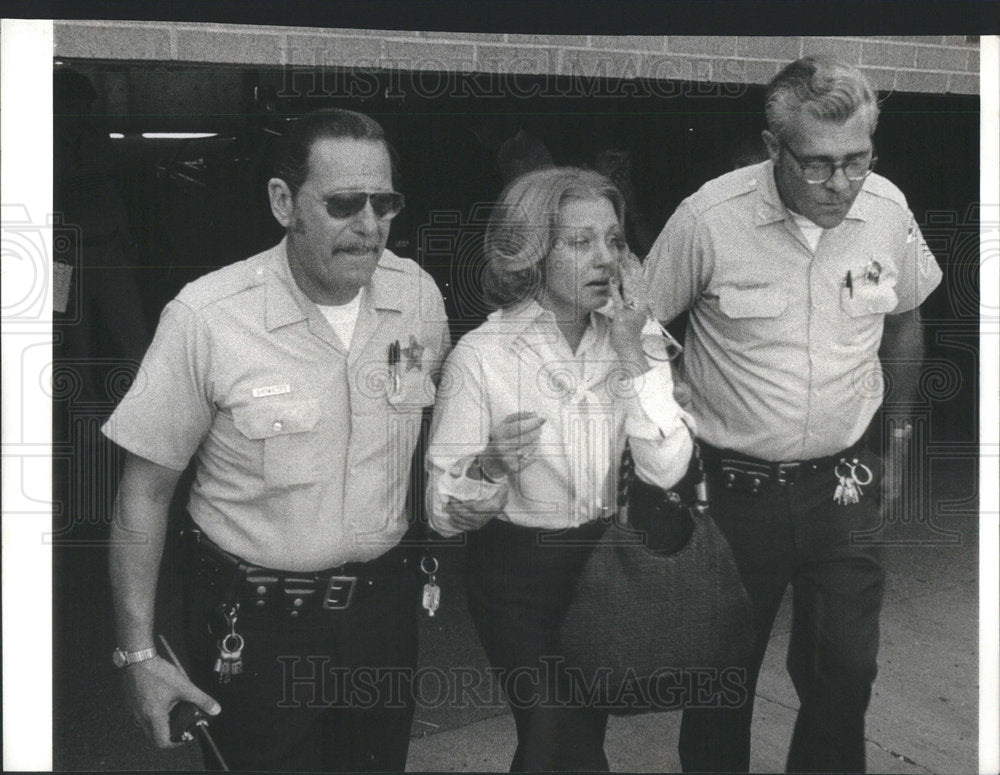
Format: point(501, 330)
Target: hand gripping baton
point(186, 716)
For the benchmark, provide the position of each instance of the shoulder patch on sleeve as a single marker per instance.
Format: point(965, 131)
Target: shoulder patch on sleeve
point(928, 264)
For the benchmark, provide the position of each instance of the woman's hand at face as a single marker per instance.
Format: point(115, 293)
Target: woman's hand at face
point(631, 310)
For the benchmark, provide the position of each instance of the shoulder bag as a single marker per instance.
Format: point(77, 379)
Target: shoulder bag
point(659, 619)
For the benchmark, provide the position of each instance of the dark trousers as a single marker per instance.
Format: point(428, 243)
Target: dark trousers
point(797, 534)
point(519, 587)
point(326, 690)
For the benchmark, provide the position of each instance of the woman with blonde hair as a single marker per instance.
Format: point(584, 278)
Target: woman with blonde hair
point(534, 410)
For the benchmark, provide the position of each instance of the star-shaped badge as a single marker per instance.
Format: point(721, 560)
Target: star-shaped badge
point(414, 354)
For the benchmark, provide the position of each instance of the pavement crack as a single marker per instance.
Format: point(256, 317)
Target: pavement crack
point(777, 702)
point(900, 756)
point(430, 729)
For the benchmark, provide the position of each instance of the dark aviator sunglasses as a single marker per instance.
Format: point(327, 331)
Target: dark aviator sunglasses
point(385, 204)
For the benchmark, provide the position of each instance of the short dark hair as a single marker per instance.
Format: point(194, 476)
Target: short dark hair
point(827, 88)
point(290, 160)
point(522, 229)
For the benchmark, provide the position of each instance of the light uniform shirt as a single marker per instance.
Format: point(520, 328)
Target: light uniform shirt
point(781, 355)
point(303, 447)
point(519, 361)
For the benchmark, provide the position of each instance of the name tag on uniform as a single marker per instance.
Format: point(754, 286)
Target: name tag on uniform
point(271, 390)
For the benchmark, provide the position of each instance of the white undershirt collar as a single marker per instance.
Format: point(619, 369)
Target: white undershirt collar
point(343, 318)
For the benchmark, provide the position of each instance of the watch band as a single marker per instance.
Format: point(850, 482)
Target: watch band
point(122, 658)
point(486, 476)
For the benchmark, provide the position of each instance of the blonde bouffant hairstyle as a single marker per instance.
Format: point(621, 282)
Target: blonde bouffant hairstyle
point(522, 229)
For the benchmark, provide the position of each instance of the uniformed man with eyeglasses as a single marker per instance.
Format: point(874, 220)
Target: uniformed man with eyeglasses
point(799, 273)
point(296, 379)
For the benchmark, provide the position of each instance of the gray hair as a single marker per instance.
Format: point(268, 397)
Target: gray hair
point(827, 88)
point(522, 228)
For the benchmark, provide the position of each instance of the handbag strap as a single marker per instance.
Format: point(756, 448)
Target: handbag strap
point(626, 475)
point(626, 471)
point(701, 486)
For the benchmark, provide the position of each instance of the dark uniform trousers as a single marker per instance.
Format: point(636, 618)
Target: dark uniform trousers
point(320, 690)
point(795, 533)
point(519, 586)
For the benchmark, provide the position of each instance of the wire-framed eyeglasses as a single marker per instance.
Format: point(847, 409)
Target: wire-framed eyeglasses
point(818, 172)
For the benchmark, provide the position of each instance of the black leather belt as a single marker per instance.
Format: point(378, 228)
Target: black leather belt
point(294, 593)
point(743, 472)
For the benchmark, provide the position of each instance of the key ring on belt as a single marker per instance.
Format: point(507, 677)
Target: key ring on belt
point(853, 467)
point(430, 571)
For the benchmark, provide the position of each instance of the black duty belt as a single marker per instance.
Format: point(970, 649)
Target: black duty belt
point(743, 472)
point(294, 593)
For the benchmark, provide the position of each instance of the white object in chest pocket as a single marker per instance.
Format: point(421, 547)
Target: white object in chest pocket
point(285, 430)
point(868, 299)
point(873, 288)
point(416, 390)
point(759, 301)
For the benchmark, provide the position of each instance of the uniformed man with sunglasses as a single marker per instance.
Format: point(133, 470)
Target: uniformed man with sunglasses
point(799, 273)
point(296, 380)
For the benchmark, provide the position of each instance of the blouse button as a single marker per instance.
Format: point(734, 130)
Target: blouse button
point(277, 425)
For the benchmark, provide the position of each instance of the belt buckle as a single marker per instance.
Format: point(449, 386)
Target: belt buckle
point(339, 592)
point(788, 472)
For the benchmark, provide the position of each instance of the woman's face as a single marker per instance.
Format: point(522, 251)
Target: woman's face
point(579, 268)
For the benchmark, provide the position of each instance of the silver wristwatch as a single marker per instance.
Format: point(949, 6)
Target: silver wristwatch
point(123, 658)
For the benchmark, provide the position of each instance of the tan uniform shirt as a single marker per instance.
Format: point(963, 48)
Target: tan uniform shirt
point(303, 448)
point(781, 352)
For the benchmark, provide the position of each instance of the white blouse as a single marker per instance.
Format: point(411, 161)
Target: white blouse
point(518, 360)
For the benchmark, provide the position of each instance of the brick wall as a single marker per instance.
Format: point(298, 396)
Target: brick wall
point(910, 63)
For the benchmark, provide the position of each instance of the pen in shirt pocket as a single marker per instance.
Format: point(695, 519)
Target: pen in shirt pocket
point(394, 365)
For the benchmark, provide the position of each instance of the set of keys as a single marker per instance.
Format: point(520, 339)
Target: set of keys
point(230, 659)
point(849, 485)
point(432, 592)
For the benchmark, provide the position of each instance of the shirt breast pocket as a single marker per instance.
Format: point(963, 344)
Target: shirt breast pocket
point(868, 299)
point(416, 390)
point(286, 433)
point(739, 302)
point(872, 290)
